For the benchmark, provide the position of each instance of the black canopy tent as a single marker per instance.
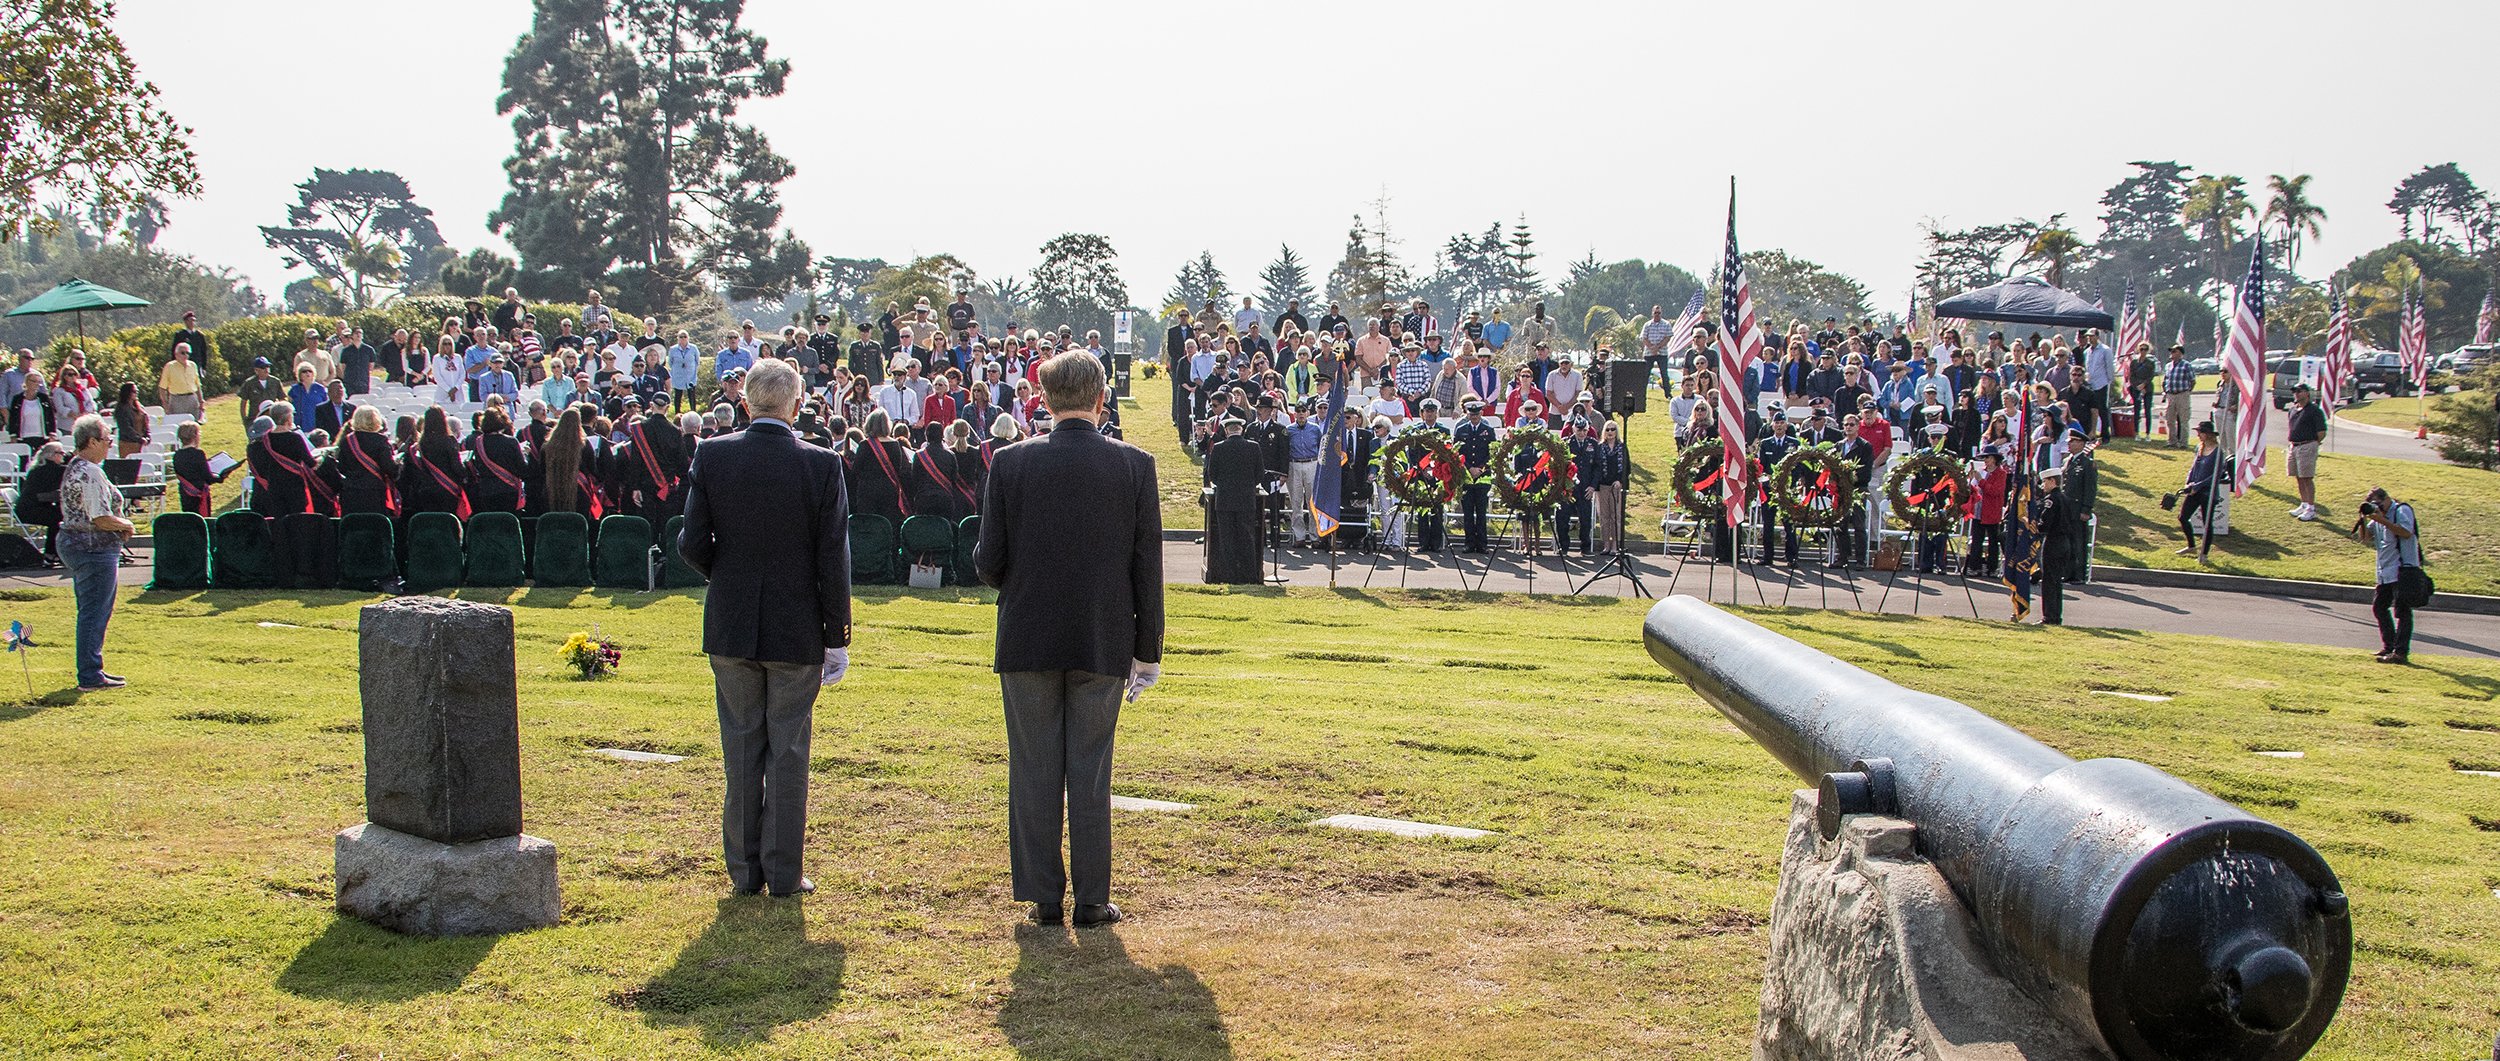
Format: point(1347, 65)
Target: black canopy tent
point(2027, 300)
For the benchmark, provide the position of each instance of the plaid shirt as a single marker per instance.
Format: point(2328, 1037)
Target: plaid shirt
point(1414, 377)
point(2178, 377)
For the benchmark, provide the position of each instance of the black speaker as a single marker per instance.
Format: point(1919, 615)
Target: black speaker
point(1627, 386)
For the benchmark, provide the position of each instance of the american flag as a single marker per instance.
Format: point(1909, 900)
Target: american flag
point(2133, 328)
point(529, 345)
point(2413, 342)
point(2244, 363)
point(1688, 322)
point(1740, 343)
point(2489, 318)
point(2338, 351)
point(2096, 294)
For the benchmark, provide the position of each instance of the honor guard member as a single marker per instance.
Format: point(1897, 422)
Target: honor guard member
point(1581, 437)
point(1771, 451)
point(1234, 472)
point(1355, 450)
point(1474, 439)
point(1275, 456)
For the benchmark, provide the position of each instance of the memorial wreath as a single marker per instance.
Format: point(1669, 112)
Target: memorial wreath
point(1546, 484)
point(1420, 468)
point(1698, 470)
point(1934, 504)
point(1814, 487)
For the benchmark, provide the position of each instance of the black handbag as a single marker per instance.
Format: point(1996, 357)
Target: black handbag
point(2169, 502)
point(2414, 586)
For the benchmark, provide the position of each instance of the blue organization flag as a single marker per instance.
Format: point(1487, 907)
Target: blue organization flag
point(1329, 480)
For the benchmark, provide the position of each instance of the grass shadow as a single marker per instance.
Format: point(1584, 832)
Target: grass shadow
point(355, 962)
point(1088, 999)
point(1894, 647)
point(753, 969)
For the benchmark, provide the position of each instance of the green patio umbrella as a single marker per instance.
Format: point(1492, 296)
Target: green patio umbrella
point(77, 297)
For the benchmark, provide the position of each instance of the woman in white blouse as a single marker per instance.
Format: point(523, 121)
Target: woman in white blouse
point(444, 370)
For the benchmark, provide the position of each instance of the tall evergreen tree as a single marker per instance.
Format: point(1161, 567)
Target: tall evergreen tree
point(1197, 283)
point(1523, 282)
point(1284, 282)
point(627, 160)
point(1367, 274)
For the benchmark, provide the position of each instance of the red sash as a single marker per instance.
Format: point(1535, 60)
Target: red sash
point(520, 487)
point(902, 498)
point(317, 495)
point(390, 490)
point(650, 460)
point(459, 497)
point(192, 493)
point(590, 489)
point(943, 479)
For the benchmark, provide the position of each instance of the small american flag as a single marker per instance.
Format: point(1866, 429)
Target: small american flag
point(2133, 328)
point(2338, 351)
point(2096, 295)
point(1688, 322)
point(2489, 318)
point(1740, 343)
point(2244, 363)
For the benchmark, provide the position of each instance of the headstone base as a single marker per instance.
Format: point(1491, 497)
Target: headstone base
point(1873, 956)
point(422, 887)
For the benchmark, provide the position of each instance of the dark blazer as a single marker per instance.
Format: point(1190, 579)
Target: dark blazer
point(767, 521)
point(1235, 467)
point(1072, 536)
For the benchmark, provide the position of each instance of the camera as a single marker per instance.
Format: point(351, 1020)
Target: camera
point(2369, 508)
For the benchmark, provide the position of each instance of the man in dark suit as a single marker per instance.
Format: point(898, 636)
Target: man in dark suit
point(1176, 362)
point(766, 521)
point(1072, 537)
point(1235, 470)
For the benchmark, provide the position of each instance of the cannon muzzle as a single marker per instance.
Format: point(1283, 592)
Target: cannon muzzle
point(2145, 911)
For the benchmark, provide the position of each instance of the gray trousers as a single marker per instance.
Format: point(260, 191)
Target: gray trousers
point(1059, 727)
point(766, 713)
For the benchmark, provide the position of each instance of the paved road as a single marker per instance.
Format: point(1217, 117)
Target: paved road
point(2254, 617)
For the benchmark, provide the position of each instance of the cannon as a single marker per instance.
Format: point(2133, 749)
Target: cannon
point(2143, 911)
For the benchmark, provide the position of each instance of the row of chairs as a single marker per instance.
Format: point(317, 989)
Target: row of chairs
point(245, 550)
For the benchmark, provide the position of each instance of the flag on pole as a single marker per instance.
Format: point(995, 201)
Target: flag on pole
point(2181, 340)
point(2022, 524)
point(1740, 344)
point(1326, 480)
point(2413, 342)
point(1688, 322)
point(2338, 351)
point(2133, 329)
point(2244, 364)
point(2096, 295)
point(2489, 319)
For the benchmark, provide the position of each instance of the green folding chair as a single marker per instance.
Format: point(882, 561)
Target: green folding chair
point(967, 535)
point(434, 556)
point(675, 573)
point(872, 550)
point(492, 553)
point(240, 553)
point(181, 551)
point(621, 559)
point(562, 557)
point(367, 557)
point(929, 540)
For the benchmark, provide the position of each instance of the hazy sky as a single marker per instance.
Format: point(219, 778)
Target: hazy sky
point(984, 128)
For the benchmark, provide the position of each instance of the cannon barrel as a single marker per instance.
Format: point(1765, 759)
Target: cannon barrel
point(2141, 909)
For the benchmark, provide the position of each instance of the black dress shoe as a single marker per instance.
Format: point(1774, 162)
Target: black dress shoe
point(1047, 914)
point(803, 887)
point(1088, 915)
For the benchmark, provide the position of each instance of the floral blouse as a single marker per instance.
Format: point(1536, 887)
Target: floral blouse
point(86, 495)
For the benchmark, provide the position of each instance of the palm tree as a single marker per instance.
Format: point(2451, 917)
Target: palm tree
point(2300, 218)
point(2052, 247)
point(2383, 299)
point(2216, 205)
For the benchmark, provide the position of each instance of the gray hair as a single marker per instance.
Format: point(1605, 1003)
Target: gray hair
point(773, 389)
point(691, 423)
point(89, 430)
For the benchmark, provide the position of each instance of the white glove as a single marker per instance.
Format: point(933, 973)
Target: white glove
point(1141, 677)
point(837, 664)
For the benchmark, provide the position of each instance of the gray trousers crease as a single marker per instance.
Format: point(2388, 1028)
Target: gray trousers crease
point(1059, 728)
point(767, 711)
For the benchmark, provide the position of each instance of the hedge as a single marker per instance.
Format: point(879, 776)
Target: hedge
point(157, 342)
point(112, 360)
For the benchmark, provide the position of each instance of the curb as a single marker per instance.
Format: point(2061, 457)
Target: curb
point(2370, 429)
point(2466, 603)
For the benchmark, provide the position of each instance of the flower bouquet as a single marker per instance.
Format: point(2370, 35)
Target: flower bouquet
point(589, 655)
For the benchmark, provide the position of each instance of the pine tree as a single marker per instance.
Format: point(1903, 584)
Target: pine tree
point(1523, 281)
point(1367, 274)
point(1284, 282)
point(1197, 283)
point(627, 159)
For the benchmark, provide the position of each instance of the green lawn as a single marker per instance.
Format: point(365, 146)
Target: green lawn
point(2402, 413)
point(168, 890)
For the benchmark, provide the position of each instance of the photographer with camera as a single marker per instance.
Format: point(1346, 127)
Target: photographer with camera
point(2388, 525)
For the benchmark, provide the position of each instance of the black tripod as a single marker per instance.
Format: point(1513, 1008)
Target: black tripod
point(1620, 564)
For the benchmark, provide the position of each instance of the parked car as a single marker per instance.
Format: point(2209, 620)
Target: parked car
point(2379, 370)
point(2470, 357)
point(2288, 369)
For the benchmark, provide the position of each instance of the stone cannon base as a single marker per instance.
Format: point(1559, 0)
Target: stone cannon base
point(1872, 956)
point(424, 888)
